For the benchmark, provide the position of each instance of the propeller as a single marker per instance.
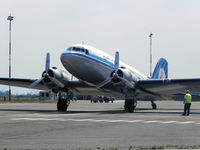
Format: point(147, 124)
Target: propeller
point(47, 62)
point(116, 67)
point(35, 83)
point(57, 82)
point(47, 66)
point(115, 75)
point(104, 82)
point(46, 75)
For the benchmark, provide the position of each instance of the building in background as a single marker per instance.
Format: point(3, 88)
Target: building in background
point(47, 95)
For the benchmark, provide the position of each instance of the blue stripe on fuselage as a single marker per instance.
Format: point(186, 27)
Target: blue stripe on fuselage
point(92, 57)
point(95, 58)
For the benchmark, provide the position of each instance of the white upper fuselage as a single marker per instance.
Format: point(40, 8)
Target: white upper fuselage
point(93, 65)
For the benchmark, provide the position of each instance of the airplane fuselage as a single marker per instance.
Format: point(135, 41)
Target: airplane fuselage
point(92, 65)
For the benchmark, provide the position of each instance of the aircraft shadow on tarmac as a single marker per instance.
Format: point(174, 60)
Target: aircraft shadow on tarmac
point(67, 112)
point(119, 111)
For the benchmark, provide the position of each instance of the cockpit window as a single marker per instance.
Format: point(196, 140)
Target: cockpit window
point(78, 49)
point(69, 49)
point(82, 49)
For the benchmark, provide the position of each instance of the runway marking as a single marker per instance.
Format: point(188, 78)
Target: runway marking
point(166, 122)
point(107, 120)
point(47, 115)
point(134, 121)
point(155, 121)
point(188, 122)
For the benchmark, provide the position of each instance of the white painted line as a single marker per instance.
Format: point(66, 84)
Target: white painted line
point(135, 121)
point(116, 120)
point(105, 120)
point(166, 122)
point(152, 121)
point(188, 122)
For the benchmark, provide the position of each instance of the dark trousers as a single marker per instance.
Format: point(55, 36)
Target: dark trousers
point(187, 109)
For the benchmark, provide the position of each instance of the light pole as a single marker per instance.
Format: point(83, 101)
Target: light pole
point(150, 36)
point(10, 18)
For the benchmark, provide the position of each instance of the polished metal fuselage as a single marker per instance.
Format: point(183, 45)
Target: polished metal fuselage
point(86, 67)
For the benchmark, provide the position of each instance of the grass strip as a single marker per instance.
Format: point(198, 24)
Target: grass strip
point(27, 101)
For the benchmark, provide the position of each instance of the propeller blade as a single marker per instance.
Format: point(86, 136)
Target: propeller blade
point(47, 62)
point(60, 84)
point(127, 83)
point(35, 83)
point(72, 77)
point(104, 82)
point(116, 66)
point(47, 66)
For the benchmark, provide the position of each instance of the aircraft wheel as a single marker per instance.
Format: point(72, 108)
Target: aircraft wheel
point(62, 104)
point(130, 105)
point(154, 106)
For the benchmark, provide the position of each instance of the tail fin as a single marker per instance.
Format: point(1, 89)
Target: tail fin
point(161, 69)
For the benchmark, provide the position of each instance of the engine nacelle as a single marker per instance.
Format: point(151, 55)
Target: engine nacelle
point(55, 76)
point(123, 73)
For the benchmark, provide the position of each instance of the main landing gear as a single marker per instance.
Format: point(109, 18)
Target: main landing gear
point(130, 105)
point(153, 104)
point(63, 102)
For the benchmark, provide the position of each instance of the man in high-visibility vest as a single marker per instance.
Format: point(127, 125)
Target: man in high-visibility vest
point(187, 102)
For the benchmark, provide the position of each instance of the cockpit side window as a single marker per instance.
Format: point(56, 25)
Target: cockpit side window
point(82, 50)
point(69, 49)
point(86, 52)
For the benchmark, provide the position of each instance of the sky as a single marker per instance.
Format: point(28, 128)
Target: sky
point(42, 26)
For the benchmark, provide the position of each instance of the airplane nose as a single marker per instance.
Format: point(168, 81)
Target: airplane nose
point(67, 58)
point(64, 56)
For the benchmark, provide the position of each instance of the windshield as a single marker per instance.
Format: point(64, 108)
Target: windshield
point(78, 49)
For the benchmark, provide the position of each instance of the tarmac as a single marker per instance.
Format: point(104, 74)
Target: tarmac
point(97, 125)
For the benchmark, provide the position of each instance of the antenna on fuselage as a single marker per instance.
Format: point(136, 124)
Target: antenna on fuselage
point(83, 42)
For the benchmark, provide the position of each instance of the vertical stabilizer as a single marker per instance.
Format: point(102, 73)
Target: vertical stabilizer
point(161, 69)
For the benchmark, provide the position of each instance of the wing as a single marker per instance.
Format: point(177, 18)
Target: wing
point(151, 88)
point(169, 87)
point(77, 87)
point(24, 83)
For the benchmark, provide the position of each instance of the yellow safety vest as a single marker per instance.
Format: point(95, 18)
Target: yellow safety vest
point(188, 99)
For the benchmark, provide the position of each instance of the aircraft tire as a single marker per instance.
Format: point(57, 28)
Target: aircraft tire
point(154, 106)
point(129, 106)
point(62, 105)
